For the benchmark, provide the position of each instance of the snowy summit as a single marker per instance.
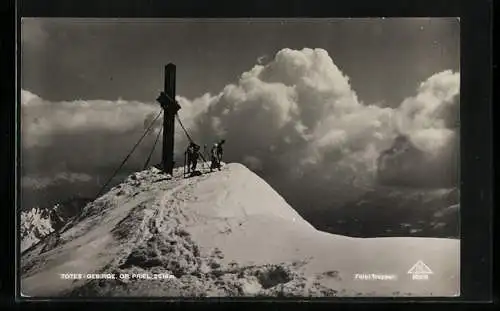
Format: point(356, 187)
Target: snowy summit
point(226, 233)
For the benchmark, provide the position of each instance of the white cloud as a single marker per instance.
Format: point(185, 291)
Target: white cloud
point(42, 121)
point(28, 98)
point(296, 119)
point(424, 117)
point(303, 105)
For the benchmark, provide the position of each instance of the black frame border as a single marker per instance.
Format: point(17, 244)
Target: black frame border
point(476, 109)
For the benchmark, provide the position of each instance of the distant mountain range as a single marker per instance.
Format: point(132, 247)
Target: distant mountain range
point(37, 223)
point(391, 211)
point(405, 165)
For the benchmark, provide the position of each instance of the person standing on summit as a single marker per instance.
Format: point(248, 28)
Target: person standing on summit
point(220, 151)
point(216, 155)
point(192, 154)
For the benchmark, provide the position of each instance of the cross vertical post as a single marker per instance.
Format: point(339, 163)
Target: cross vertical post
point(170, 108)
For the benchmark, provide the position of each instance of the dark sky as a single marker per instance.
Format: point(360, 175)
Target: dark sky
point(67, 59)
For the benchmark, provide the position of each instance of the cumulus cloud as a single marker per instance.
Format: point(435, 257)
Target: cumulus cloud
point(300, 116)
point(88, 137)
point(43, 120)
point(428, 123)
point(430, 117)
point(295, 120)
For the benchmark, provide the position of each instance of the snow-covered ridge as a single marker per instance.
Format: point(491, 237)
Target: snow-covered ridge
point(227, 233)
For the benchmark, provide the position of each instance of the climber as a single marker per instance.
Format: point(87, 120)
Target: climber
point(220, 151)
point(216, 155)
point(213, 158)
point(192, 154)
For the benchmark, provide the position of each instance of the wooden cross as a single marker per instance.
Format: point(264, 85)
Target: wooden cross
point(170, 108)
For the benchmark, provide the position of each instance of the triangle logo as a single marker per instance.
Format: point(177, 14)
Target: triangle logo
point(420, 268)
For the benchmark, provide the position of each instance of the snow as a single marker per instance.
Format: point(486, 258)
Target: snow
point(35, 225)
point(224, 233)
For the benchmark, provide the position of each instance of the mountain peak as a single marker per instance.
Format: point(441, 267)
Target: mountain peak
point(222, 233)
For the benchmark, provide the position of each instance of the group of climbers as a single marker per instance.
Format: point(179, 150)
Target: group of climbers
point(192, 155)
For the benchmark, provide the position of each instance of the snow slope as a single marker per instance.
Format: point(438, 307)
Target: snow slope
point(219, 234)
